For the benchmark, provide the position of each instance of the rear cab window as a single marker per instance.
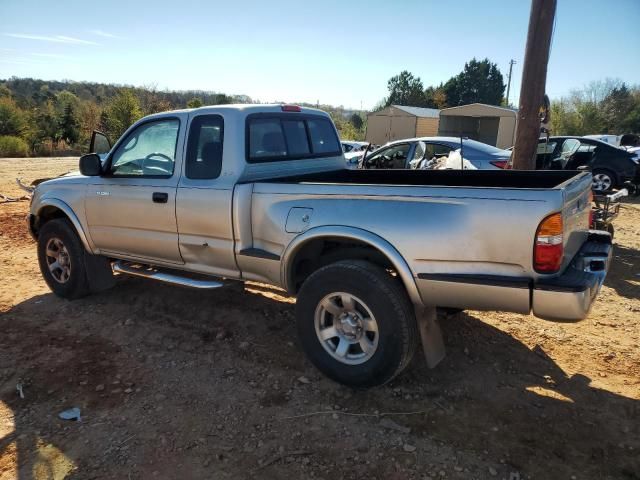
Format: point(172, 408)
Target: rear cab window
point(287, 136)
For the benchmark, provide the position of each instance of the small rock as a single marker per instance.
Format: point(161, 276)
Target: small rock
point(128, 390)
point(99, 388)
point(304, 380)
point(408, 448)
point(493, 471)
point(457, 468)
point(244, 346)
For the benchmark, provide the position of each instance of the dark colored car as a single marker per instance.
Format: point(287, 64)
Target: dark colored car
point(611, 166)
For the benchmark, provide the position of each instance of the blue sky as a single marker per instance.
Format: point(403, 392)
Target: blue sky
point(337, 52)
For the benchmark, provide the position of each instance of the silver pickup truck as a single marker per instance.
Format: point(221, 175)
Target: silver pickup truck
point(254, 192)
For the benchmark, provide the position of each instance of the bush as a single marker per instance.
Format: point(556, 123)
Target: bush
point(13, 147)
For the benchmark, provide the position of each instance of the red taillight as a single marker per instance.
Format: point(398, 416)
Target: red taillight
point(291, 108)
point(549, 249)
point(501, 164)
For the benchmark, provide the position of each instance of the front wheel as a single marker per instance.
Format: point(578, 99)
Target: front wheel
point(356, 323)
point(61, 259)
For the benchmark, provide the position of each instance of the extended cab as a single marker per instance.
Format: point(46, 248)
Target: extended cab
point(254, 192)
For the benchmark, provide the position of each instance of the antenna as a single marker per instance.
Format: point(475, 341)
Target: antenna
point(512, 62)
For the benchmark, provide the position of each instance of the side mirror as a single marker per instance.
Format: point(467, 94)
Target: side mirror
point(90, 165)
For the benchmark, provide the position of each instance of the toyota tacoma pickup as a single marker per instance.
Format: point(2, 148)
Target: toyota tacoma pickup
point(204, 196)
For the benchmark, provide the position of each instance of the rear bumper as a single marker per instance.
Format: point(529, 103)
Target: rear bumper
point(569, 296)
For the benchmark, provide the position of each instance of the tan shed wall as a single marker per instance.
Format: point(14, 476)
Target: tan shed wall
point(390, 124)
point(506, 132)
point(427, 127)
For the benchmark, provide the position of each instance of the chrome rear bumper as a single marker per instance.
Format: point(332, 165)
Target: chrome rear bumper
point(569, 296)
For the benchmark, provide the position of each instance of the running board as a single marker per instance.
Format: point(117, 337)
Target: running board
point(146, 271)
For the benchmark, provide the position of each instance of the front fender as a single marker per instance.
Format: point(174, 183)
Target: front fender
point(42, 203)
point(351, 233)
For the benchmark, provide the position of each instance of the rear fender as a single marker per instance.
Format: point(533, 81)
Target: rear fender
point(351, 233)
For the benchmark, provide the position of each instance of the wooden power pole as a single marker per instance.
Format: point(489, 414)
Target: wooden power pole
point(534, 78)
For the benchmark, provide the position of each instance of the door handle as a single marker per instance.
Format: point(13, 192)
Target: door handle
point(160, 197)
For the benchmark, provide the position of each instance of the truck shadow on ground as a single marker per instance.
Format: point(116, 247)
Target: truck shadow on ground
point(624, 273)
point(492, 397)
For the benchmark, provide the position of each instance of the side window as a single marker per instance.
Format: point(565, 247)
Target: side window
point(204, 147)
point(437, 150)
point(148, 151)
point(394, 156)
point(544, 148)
point(346, 148)
point(323, 136)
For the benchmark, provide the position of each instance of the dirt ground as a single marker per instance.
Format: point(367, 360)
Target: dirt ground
point(179, 384)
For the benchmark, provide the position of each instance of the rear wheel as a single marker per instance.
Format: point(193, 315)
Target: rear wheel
point(61, 259)
point(356, 323)
point(603, 180)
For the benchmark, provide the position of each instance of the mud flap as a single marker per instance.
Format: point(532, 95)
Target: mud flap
point(431, 335)
point(99, 273)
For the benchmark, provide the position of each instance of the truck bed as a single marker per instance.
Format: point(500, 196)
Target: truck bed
point(441, 178)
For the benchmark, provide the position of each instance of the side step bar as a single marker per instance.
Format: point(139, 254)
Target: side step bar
point(146, 271)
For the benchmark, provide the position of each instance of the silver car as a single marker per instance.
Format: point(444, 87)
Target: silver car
point(438, 153)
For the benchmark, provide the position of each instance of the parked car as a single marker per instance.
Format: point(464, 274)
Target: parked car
point(353, 152)
point(611, 166)
point(437, 152)
point(261, 193)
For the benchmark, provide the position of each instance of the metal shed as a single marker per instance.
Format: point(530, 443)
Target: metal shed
point(398, 121)
point(485, 123)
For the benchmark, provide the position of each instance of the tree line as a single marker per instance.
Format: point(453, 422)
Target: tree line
point(40, 117)
point(608, 106)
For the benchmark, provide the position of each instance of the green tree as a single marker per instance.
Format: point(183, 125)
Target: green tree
point(616, 107)
point(122, 112)
point(195, 102)
point(69, 125)
point(405, 89)
point(479, 82)
point(12, 118)
point(356, 121)
point(435, 97)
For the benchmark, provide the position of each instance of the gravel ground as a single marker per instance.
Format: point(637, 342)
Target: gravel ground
point(174, 383)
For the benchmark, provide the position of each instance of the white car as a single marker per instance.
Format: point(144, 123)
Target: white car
point(353, 152)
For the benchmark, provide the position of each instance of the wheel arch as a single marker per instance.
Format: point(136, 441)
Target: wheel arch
point(354, 238)
point(51, 208)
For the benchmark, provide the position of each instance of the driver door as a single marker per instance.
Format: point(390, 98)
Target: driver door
point(131, 208)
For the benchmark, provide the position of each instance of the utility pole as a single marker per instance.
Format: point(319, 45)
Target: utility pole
point(512, 62)
point(534, 77)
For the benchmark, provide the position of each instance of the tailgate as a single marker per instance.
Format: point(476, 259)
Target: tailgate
point(576, 207)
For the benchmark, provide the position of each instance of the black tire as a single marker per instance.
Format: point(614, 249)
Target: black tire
point(607, 176)
point(76, 284)
point(385, 298)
